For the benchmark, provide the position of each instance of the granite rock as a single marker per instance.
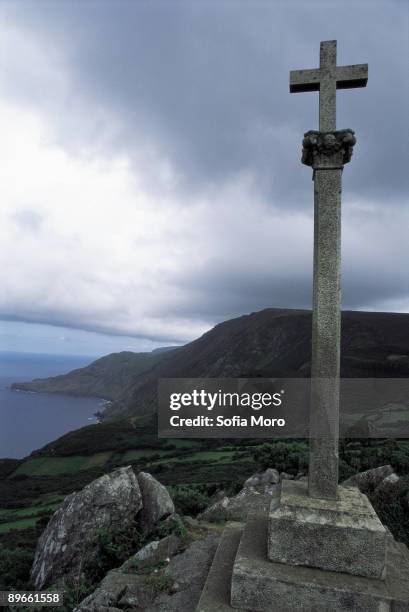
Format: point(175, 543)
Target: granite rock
point(255, 497)
point(71, 537)
point(369, 480)
point(156, 501)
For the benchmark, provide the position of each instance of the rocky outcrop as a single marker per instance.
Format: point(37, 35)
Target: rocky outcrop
point(111, 504)
point(263, 482)
point(153, 553)
point(123, 586)
point(156, 501)
point(391, 488)
point(391, 479)
point(256, 496)
point(173, 587)
point(370, 480)
point(186, 575)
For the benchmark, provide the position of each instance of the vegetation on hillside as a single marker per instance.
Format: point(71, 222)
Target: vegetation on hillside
point(268, 343)
point(194, 470)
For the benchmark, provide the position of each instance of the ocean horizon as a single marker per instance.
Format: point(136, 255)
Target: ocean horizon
point(30, 420)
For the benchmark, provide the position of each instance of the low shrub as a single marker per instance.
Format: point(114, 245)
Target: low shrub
point(188, 499)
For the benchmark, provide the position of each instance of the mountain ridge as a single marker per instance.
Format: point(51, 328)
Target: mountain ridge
point(271, 342)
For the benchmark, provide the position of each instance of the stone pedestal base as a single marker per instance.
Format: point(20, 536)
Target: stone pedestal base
point(259, 584)
point(242, 577)
point(340, 536)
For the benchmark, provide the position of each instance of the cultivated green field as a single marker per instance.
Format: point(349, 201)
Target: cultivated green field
point(52, 466)
point(22, 518)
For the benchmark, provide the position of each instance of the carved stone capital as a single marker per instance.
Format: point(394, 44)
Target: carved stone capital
point(327, 149)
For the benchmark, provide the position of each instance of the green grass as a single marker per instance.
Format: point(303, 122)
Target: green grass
point(53, 466)
point(12, 513)
point(179, 443)
point(134, 455)
point(23, 518)
point(205, 456)
point(97, 460)
point(50, 466)
point(22, 524)
point(12, 516)
point(209, 456)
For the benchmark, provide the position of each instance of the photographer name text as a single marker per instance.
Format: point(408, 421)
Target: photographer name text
point(222, 421)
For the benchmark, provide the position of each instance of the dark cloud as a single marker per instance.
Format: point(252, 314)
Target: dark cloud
point(206, 85)
point(208, 82)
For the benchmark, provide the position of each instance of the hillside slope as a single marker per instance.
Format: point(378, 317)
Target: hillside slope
point(276, 342)
point(272, 342)
point(112, 377)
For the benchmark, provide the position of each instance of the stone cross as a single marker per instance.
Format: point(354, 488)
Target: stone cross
point(327, 79)
point(326, 152)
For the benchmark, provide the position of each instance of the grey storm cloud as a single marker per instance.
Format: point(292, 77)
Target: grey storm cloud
point(207, 84)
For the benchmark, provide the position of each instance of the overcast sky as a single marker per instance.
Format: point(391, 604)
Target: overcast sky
point(150, 174)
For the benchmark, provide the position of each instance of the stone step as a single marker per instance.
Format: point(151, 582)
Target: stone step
point(261, 585)
point(216, 591)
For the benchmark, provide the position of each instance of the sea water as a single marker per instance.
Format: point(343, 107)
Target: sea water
point(31, 420)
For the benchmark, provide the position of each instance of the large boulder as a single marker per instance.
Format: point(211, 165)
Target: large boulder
point(157, 504)
point(71, 537)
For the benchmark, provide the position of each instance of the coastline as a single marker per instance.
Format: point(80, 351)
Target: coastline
point(31, 419)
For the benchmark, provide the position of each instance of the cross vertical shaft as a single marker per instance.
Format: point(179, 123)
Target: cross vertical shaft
point(326, 326)
point(328, 90)
point(326, 151)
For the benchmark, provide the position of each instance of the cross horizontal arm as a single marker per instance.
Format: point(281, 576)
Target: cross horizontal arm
point(346, 77)
point(351, 76)
point(305, 80)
